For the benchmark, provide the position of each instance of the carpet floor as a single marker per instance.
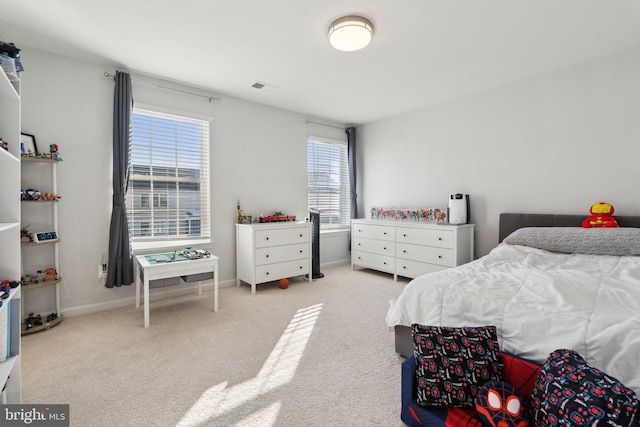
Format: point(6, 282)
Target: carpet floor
point(314, 354)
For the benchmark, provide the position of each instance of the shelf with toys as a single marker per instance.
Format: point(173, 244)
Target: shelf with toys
point(39, 268)
point(10, 218)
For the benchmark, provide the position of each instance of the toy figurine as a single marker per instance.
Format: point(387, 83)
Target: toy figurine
point(48, 273)
point(26, 235)
point(601, 216)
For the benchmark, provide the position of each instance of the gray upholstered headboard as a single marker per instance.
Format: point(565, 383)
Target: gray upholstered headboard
point(509, 222)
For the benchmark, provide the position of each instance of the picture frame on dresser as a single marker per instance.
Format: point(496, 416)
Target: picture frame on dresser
point(28, 144)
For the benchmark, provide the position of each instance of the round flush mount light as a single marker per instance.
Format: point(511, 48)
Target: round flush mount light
point(350, 33)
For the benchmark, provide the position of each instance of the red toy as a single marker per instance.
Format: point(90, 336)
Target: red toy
point(601, 216)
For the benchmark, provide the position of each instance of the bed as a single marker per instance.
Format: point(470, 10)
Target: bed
point(543, 292)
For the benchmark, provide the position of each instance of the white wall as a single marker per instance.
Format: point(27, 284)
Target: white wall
point(258, 156)
point(552, 144)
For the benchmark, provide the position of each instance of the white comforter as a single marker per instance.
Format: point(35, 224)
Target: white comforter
point(539, 301)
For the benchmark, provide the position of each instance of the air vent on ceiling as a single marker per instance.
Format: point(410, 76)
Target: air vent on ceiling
point(263, 86)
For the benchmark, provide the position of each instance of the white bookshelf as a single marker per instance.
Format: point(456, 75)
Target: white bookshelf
point(10, 252)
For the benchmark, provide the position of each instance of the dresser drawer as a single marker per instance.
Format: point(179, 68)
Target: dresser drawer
point(374, 261)
point(271, 255)
point(371, 231)
point(431, 237)
point(282, 236)
point(281, 270)
point(440, 256)
point(413, 269)
point(382, 247)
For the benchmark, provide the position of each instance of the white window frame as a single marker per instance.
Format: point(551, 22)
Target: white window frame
point(337, 196)
point(159, 200)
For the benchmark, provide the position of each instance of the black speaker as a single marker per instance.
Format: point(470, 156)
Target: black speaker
point(314, 217)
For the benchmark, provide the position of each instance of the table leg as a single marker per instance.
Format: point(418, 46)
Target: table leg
point(215, 286)
point(146, 301)
point(137, 279)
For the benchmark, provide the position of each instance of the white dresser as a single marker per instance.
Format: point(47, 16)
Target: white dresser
point(272, 251)
point(409, 249)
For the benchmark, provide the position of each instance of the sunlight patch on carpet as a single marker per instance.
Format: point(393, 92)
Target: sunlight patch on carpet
point(244, 402)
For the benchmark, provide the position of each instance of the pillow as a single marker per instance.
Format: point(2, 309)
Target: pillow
point(453, 363)
point(520, 373)
point(569, 391)
point(578, 240)
point(500, 405)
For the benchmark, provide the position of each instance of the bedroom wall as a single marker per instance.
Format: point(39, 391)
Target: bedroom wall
point(556, 143)
point(258, 156)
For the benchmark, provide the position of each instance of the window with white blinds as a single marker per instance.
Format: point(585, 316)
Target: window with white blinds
point(168, 193)
point(328, 181)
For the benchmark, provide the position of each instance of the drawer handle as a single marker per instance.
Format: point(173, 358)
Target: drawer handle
point(359, 258)
point(359, 231)
point(300, 250)
point(359, 244)
point(385, 263)
point(267, 238)
point(404, 267)
point(267, 273)
point(301, 235)
point(385, 233)
point(300, 267)
point(440, 256)
point(439, 238)
point(384, 249)
point(404, 251)
point(267, 255)
point(404, 235)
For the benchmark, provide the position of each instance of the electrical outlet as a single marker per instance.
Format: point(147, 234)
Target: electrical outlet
point(102, 271)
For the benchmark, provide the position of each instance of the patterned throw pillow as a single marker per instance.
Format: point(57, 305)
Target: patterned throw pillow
point(453, 363)
point(570, 392)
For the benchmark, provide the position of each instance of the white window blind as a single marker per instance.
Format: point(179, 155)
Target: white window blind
point(168, 194)
point(328, 181)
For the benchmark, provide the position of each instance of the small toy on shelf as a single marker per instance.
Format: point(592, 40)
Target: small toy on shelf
point(48, 273)
point(30, 194)
point(50, 197)
point(4, 144)
point(10, 283)
point(26, 235)
point(601, 216)
point(28, 279)
point(32, 320)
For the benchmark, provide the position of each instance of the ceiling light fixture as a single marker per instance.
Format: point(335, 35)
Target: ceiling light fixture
point(350, 33)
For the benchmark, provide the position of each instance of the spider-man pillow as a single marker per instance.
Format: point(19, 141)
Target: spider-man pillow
point(570, 392)
point(453, 363)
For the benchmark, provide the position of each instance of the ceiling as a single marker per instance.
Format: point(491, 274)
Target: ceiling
point(423, 51)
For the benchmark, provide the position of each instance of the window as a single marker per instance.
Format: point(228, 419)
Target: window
point(328, 181)
point(168, 194)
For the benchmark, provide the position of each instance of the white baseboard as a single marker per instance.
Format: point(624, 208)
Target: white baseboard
point(168, 292)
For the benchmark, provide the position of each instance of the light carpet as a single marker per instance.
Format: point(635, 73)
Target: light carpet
point(314, 354)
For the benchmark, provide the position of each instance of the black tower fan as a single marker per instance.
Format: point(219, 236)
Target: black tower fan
point(314, 217)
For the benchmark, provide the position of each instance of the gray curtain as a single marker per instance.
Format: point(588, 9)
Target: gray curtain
point(351, 147)
point(351, 154)
point(120, 267)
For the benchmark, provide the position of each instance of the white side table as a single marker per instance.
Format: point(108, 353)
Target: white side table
point(179, 267)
